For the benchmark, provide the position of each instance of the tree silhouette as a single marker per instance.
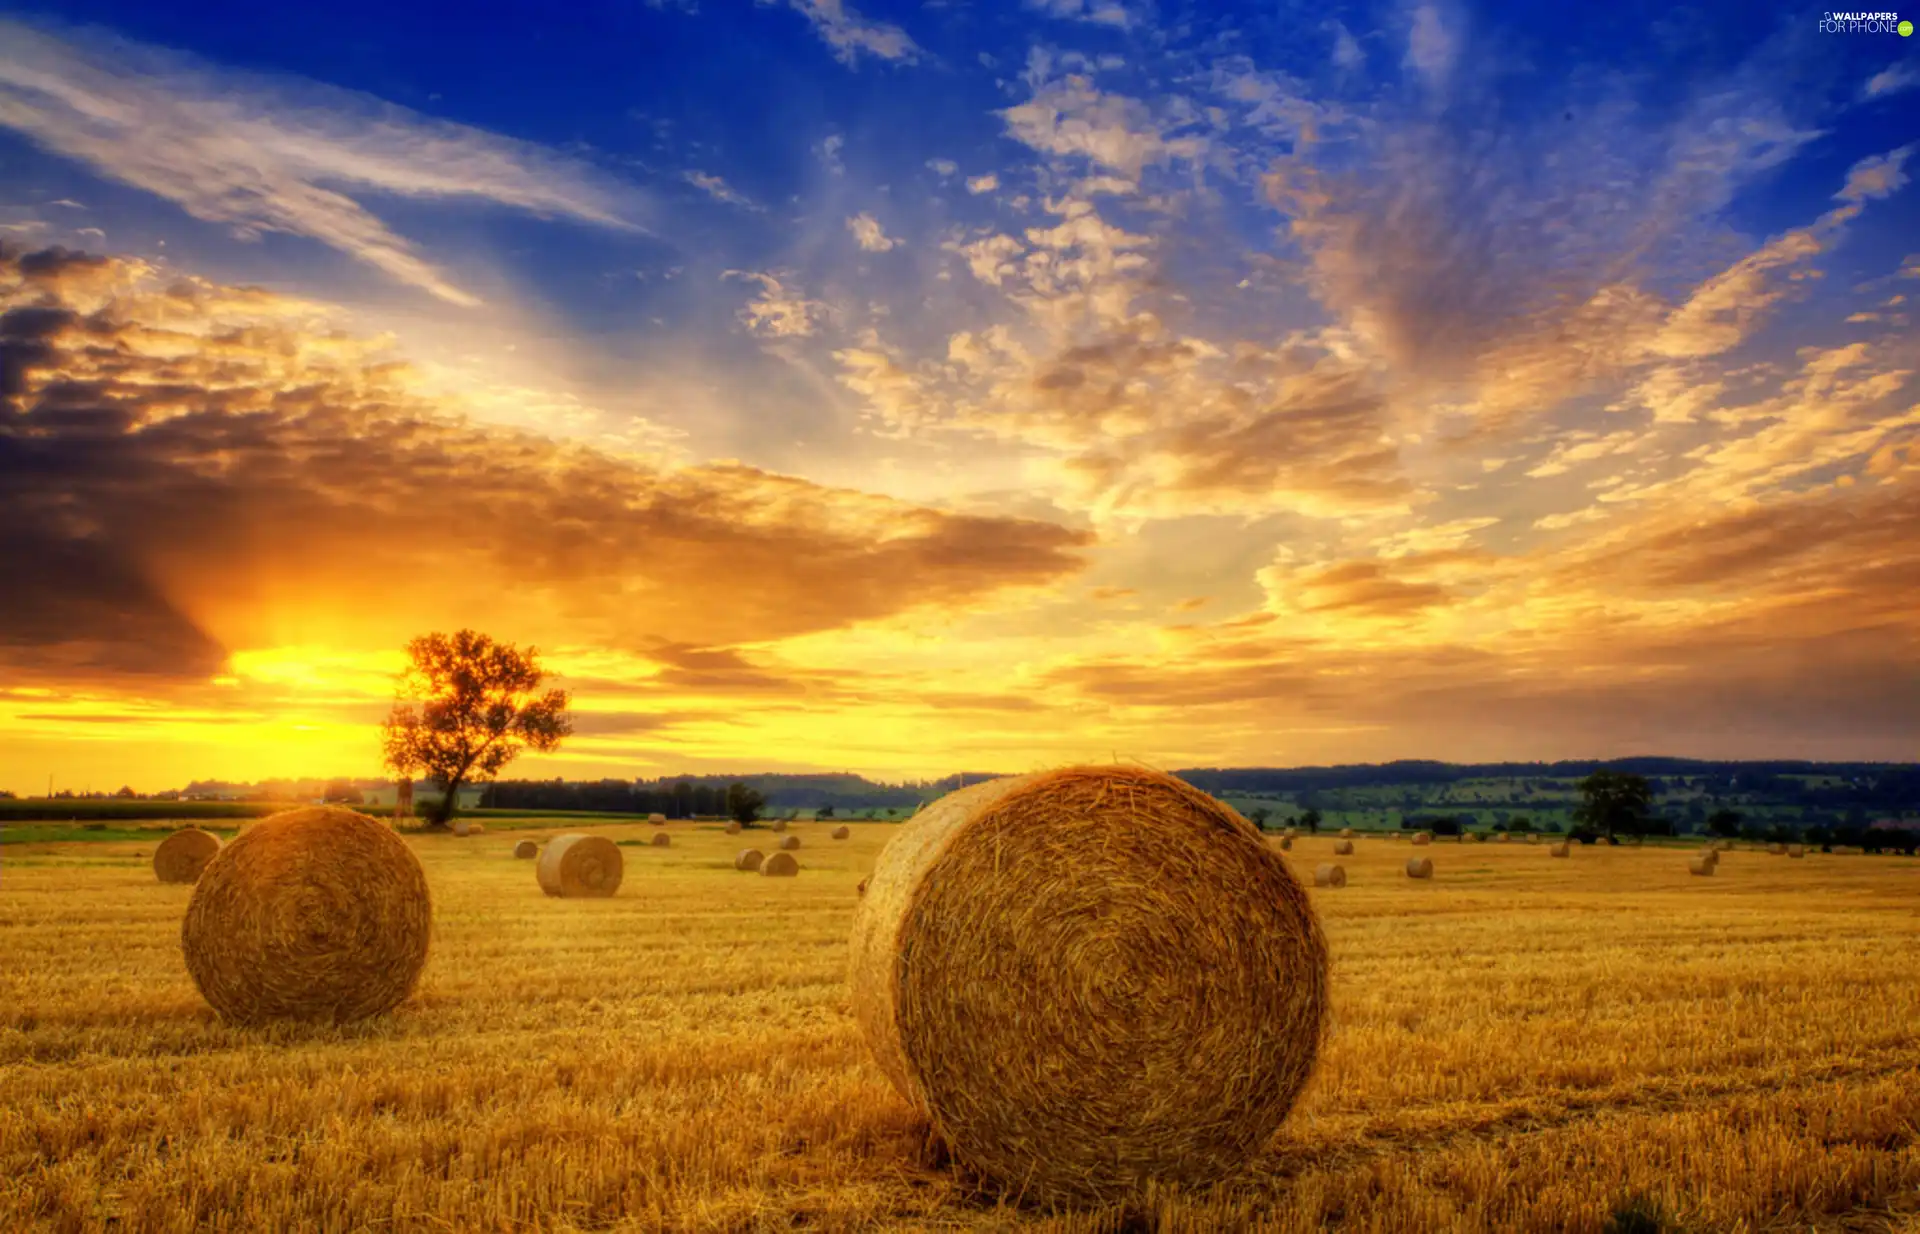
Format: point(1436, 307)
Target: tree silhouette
point(473, 709)
point(743, 803)
point(1613, 803)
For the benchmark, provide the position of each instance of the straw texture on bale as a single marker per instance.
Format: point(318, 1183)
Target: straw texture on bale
point(656, 819)
point(184, 854)
point(780, 865)
point(580, 865)
point(1090, 978)
point(1328, 874)
point(1421, 837)
point(1343, 849)
point(318, 913)
point(842, 832)
point(1700, 865)
point(663, 840)
point(779, 826)
point(526, 848)
point(789, 842)
point(1559, 850)
point(733, 828)
point(748, 859)
point(1419, 867)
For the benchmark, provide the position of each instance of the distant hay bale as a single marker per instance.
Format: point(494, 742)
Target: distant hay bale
point(476, 829)
point(526, 848)
point(1559, 850)
point(318, 913)
point(580, 865)
point(842, 832)
point(733, 828)
point(657, 819)
point(1533, 839)
point(184, 854)
point(1419, 867)
point(1796, 850)
point(779, 825)
point(1090, 979)
point(780, 865)
point(1421, 837)
point(1286, 842)
point(1503, 838)
point(748, 859)
point(663, 840)
point(1777, 850)
point(789, 842)
point(1343, 849)
point(1346, 833)
point(1328, 874)
point(461, 827)
point(1701, 865)
point(1291, 833)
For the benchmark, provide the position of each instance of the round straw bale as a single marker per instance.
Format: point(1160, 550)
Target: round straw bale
point(1777, 850)
point(1090, 978)
point(1346, 833)
point(657, 819)
point(1559, 850)
point(461, 826)
point(526, 848)
point(1700, 865)
point(1343, 849)
point(318, 913)
point(1533, 839)
point(1286, 842)
point(1328, 874)
point(780, 865)
point(1421, 837)
point(580, 865)
point(779, 825)
point(748, 859)
point(1503, 838)
point(1291, 833)
point(476, 829)
point(662, 840)
point(733, 828)
point(182, 855)
point(842, 832)
point(1796, 850)
point(789, 842)
point(1419, 867)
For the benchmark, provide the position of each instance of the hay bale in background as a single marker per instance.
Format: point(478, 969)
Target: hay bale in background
point(184, 854)
point(1796, 850)
point(1559, 850)
point(319, 913)
point(663, 840)
point(1419, 867)
point(1503, 838)
point(476, 829)
point(1291, 833)
point(1343, 849)
point(1328, 874)
point(779, 825)
point(789, 842)
point(748, 859)
point(461, 827)
point(1533, 839)
point(780, 865)
point(1700, 865)
point(1286, 842)
point(1777, 850)
point(579, 865)
point(842, 832)
point(526, 848)
point(733, 828)
point(1421, 837)
point(657, 819)
point(1346, 833)
point(1078, 923)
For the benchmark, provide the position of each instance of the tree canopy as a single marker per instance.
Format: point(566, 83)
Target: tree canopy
point(1615, 803)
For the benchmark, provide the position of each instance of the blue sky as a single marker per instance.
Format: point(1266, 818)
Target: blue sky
point(1463, 354)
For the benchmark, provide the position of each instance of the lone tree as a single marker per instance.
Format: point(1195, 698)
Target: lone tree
point(473, 709)
point(1311, 820)
point(1615, 803)
point(1725, 823)
point(743, 803)
point(1259, 816)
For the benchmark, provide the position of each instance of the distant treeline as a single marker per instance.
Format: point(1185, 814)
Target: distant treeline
point(690, 796)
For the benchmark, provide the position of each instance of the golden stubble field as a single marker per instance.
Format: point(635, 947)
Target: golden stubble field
point(1524, 1043)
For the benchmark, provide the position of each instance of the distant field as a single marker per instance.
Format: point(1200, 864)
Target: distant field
point(1524, 1044)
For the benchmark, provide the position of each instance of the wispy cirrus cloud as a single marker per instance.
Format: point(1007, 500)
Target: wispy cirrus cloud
point(851, 35)
point(262, 154)
point(717, 188)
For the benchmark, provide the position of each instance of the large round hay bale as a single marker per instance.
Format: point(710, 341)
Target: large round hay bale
point(1419, 867)
point(526, 848)
point(318, 913)
point(184, 854)
point(779, 825)
point(1700, 865)
point(1090, 978)
point(579, 865)
point(663, 840)
point(780, 865)
point(842, 832)
point(1559, 850)
point(789, 842)
point(1421, 837)
point(657, 820)
point(1328, 874)
point(748, 859)
point(1343, 849)
point(733, 828)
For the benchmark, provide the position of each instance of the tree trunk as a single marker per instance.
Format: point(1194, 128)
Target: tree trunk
point(443, 813)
